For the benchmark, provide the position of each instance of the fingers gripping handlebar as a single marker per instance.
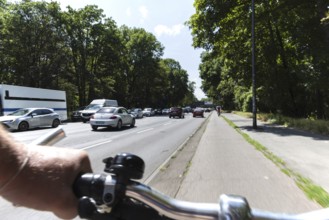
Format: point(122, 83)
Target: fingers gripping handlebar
point(117, 196)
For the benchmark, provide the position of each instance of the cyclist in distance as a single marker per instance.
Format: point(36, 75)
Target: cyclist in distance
point(40, 177)
point(218, 108)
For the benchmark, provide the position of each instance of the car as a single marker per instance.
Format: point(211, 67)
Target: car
point(158, 111)
point(148, 112)
point(95, 105)
point(188, 109)
point(111, 117)
point(76, 115)
point(137, 112)
point(165, 111)
point(27, 118)
point(176, 112)
point(198, 112)
point(89, 111)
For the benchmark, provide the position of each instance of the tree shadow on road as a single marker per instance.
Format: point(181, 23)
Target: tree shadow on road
point(282, 131)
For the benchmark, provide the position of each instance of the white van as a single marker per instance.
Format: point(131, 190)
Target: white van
point(94, 106)
point(105, 102)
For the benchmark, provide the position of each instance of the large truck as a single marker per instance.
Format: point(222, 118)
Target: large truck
point(13, 98)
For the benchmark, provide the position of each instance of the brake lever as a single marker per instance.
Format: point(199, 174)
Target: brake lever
point(50, 138)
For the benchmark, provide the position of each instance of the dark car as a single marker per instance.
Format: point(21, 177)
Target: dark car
point(176, 112)
point(158, 111)
point(198, 112)
point(76, 115)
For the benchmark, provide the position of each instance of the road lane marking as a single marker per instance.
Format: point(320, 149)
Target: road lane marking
point(145, 130)
point(168, 123)
point(95, 145)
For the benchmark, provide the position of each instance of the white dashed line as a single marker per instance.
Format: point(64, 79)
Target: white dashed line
point(95, 145)
point(145, 130)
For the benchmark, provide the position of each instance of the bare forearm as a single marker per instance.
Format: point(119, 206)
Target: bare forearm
point(12, 155)
point(40, 177)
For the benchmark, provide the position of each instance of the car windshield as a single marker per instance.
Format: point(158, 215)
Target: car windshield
point(93, 107)
point(148, 109)
point(106, 110)
point(20, 112)
point(81, 108)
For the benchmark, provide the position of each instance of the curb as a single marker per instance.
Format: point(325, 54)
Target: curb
point(156, 172)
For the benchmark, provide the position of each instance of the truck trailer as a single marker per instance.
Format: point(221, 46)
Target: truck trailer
point(13, 98)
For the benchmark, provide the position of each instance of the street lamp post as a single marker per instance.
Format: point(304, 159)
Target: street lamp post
point(254, 109)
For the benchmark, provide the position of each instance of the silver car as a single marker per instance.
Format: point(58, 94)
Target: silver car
point(115, 117)
point(148, 112)
point(26, 118)
point(137, 113)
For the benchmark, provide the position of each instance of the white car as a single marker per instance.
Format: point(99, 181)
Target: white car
point(115, 117)
point(27, 118)
point(148, 112)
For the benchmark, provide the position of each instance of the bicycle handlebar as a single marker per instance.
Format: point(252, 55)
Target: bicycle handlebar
point(116, 196)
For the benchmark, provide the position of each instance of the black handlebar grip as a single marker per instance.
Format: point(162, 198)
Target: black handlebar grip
point(90, 185)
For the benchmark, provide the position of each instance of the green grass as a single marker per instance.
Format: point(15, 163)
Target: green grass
point(312, 191)
point(309, 124)
point(187, 168)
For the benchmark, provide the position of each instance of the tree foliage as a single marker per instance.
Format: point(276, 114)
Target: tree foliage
point(32, 45)
point(292, 62)
point(87, 55)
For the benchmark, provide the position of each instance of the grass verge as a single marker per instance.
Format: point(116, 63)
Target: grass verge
point(306, 124)
point(313, 191)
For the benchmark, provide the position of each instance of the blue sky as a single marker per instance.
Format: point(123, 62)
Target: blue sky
point(165, 19)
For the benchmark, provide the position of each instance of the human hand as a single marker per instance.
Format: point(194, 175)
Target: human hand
point(45, 183)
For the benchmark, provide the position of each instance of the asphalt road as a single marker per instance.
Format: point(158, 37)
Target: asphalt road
point(156, 138)
point(153, 138)
point(222, 162)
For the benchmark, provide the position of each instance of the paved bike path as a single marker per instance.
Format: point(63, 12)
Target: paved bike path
point(224, 163)
point(304, 152)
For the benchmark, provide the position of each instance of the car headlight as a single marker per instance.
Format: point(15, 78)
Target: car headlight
point(7, 121)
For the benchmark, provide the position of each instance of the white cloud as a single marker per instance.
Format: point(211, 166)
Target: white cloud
point(128, 12)
point(165, 30)
point(143, 11)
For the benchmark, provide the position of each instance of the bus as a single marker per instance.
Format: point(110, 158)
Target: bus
point(13, 98)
